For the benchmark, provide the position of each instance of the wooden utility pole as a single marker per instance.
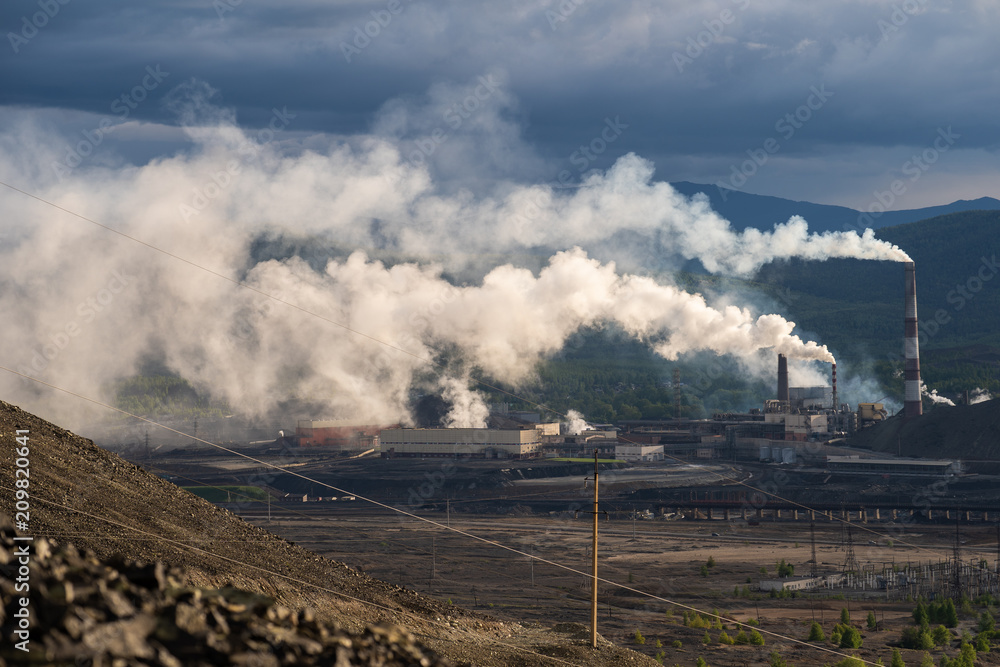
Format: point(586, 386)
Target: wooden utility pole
point(593, 592)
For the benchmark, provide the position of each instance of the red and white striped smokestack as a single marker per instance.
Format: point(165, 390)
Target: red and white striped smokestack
point(782, 378)
point(912, 406)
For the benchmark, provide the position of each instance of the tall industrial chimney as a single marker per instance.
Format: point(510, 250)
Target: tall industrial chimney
point(782, 378)
point(912, 406)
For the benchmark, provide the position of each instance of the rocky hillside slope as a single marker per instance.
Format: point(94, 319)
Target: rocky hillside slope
point(86, 496)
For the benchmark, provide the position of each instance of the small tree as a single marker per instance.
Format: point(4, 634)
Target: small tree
point(941, 636)
point(785, 569)
point(872, 623)
point(986, 622)
point(707, 639)
point(920, 616)
point(710, 562)
point(704, 570)
point(897, 659)
point(950, 614)
point(845, 616)
point(724, 638)
point(756, 639)
point(816, 633)
point(777, 660)
point(926, 660)
point(700, 662)
point(850, 638)
point(639, 639)
point(741, 638)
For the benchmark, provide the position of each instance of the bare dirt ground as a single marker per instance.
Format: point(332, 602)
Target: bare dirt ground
point(664, 559)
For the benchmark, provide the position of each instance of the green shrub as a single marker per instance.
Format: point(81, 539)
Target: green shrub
point(950, 614)
point(710, 562)
point(741, 638)
point(845, 616)
point(700, 662)
point(917, 637)
point(777, 660)
point(707, 639)
point(816, 633)
point(986, 622)
point(638, 638)
point(658, 644)
point(850, 638)
point(724, 638)
point(785, 569)
point(677, 643)
point(872, 623)
point(756, 639)
point(920, 616)
point(926, 660)
point(897, 659)
point(704, 570)
point(941, 636)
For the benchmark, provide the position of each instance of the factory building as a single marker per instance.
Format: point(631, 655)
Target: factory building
point(631, 452)
point(461, 442)
point(856, 465)
point(340, 435)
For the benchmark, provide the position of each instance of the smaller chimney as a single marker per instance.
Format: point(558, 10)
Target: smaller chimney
point(836, 406)
point(782, 378)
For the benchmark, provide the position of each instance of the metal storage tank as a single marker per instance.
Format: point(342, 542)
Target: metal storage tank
point(788, 455)
point(765, 452)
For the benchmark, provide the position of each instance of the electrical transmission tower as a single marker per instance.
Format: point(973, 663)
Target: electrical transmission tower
point(813, 563)
point(850, 560)
point(956, 569)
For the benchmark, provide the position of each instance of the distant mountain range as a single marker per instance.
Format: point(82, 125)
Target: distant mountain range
point(761, 211)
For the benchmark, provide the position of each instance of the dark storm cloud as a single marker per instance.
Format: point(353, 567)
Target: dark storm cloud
point(703, 81)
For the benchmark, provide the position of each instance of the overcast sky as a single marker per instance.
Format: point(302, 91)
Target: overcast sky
point(833, 99)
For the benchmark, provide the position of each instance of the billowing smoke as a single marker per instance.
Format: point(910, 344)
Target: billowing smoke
point(575, 424)
point(468, 410)
point(934, 396)
point(92, 307)
point(979, 395)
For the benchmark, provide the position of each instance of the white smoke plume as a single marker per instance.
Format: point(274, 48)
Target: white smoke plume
point(468, 409)
point(91, 308)
point(575, 424)
point(979, 395)
point(934, 396)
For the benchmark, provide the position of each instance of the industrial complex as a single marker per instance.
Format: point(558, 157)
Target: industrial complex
point(800, 424)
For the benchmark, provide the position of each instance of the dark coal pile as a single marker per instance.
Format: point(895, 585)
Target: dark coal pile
point(88, 612)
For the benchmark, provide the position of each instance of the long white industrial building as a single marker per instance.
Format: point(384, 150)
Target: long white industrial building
point(475, 442)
